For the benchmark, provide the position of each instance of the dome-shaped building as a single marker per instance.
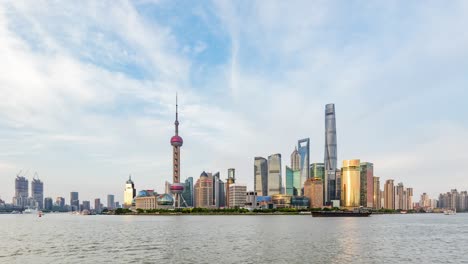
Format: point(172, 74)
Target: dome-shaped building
point(165, 201)
point(142, 193)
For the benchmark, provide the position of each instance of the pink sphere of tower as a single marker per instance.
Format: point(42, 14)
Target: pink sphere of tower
point(177, 141)
point(177, 188)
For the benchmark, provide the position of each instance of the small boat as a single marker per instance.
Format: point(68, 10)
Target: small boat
point(29, 211)
point(39, 213)
point(355, 213)
point(403, 212)
point(450, 212)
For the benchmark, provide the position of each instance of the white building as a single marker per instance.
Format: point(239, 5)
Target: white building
point(237, 195)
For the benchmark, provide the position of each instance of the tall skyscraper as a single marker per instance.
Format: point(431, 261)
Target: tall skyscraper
point(303, 147)
point(74, 201)
point(350, 183)
point(376, 197)
point(37, 190)
point(367, 184)
point(129, 192)
point(330, 158)
point(389, 197)
point(187, 194)
point(97, 205)
point(230, 180)
point(21, 191)
point(295, 160)
point(261, 176)
point(110, 202)
point(219, 194)
point(86, 205)
point(293, 182)
point(176, 141)
point(48, 203)
point(204, 191)
point(274, 174)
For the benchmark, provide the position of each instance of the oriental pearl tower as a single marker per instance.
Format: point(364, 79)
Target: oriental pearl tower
point(176, 141)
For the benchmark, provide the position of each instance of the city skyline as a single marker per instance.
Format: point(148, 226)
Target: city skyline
point(76, 114)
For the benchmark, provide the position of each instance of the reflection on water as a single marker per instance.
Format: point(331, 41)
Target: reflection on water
point(63, 238)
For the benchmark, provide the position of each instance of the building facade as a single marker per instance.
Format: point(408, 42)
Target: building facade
point(313, 189)
point(74, 201)
point(97, 206)
point(376, 197)
point(295, 160)
point(274, 174)
point(21, 191)
point(219, 195)
point(204, 191)
point(110, 202)
point(330, 157)
point(261, 176)
point(48, 204)
point(187, 194)
point(317, 170)
point(293, 181)
point(389, 197)
point(350, 183)
point(237, 195)
point(303, 147)
point(129, 193)
point(37, 190)
point(367, 184)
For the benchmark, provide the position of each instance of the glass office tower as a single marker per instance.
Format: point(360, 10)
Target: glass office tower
point(330, 157)
point(274, 174)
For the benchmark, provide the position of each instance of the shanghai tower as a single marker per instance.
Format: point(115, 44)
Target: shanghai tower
point(330, 159)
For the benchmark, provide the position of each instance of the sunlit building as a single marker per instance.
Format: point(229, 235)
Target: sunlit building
point(230, 180)
point(389, 197)
point(281, 200)
point(313, 189)
point(274, 174)
point(376, 198)
point(148, 199)
point(204, 191)
point(261, 176)
point(350, 183)
point(303, 147)
point(317, 170)
point(129, 193)
point(367, 184)
point(60, 202)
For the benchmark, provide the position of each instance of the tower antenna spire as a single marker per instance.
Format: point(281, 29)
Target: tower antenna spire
point(176, 116)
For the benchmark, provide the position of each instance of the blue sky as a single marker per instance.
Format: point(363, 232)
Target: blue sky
point(88, 89)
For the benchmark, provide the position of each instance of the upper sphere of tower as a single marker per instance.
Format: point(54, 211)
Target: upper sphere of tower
point(177, 141)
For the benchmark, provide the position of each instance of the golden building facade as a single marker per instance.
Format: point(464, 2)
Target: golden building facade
point(313, 189)
point(350, 183)
point(204, 191)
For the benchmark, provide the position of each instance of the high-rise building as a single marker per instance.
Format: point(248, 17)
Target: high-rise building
point(97, 205)
point(237, 195)
point(86, 206)
point(219, 194)
point(261, 176)
point(60, 202)
point(204, 191)
point(303, 147)
point(295, 160)
point(409, 198)
point(293, 182)
point(274, 174)
point(313, 189)
point(110, 202)
point(317, 170)
point(129, 193)
point(187, 194)
point(176, 141)
point(337, 185)
point(37, 190)
point(425, 201)
point(48, 203)
point(400, 197)
point(367, 184)
point(330, 157)
point(230, 180)
point(21, 191)
point(389, 196)
point(350, 183)
point(74, 201)
point(251, 200)
point(376, 198)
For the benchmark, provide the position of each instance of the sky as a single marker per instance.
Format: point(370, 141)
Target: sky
point(88, 89)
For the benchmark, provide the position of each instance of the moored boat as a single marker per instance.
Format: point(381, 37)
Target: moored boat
point(340, 214)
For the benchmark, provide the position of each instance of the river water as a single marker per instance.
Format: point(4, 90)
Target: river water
point(64, 238)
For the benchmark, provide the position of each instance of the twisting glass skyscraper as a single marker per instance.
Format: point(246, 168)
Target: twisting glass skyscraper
point(330, 159)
